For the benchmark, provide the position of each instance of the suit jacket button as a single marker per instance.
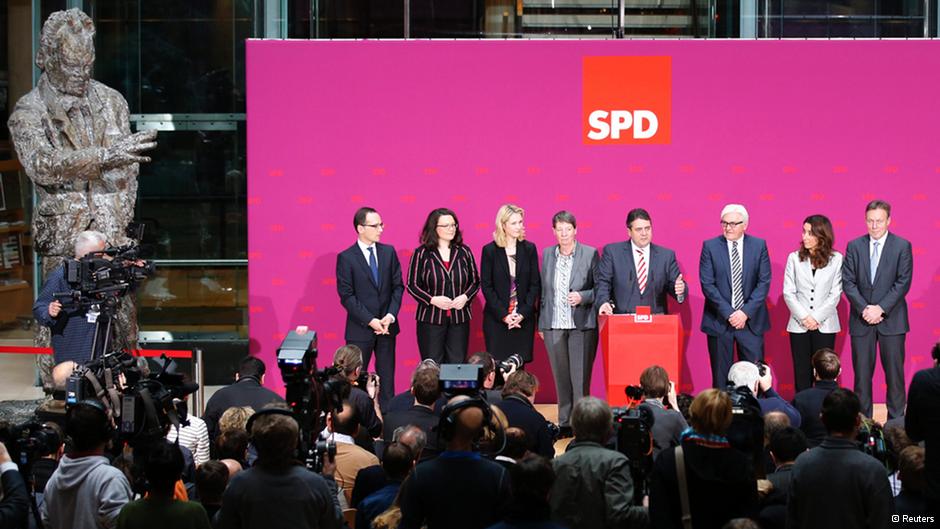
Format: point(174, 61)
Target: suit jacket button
point(812, 290)
point(811, 307)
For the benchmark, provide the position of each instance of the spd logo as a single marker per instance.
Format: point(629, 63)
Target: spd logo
point(626, 100)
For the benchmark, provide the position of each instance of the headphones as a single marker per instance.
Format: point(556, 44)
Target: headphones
point(104, 429)
point(447, 425)
point(264, 412)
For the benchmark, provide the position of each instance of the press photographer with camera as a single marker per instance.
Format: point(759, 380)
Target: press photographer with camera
point(364, 391)
point(494, 373)
point(759, 379)
point(14, 507)
point(72, 332)
point(668, 423)
point(85, 490)
point(519, 406)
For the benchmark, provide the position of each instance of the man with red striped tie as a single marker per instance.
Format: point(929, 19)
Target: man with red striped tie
point(637, 272)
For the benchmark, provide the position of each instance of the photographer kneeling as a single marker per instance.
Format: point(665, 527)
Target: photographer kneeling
point(72, 333)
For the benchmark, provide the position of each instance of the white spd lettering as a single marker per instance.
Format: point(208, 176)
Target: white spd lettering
point(606, 124)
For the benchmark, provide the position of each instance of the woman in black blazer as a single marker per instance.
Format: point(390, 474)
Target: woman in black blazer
point(443, 278)
point(509, 278)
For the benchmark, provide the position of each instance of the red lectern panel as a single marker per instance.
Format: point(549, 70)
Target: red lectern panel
point(629, 347)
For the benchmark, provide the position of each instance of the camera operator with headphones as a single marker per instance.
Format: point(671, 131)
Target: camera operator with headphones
point(277, 492)
point(72, 332)
point(85, 490)
point(458, 488)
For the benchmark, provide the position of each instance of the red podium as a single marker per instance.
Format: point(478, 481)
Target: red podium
point(630, 346)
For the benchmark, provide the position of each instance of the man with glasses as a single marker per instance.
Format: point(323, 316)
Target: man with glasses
point(734, 270)
point(876, 275)
point(368, 279)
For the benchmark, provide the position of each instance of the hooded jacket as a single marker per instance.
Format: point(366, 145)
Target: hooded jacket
point(84, 493)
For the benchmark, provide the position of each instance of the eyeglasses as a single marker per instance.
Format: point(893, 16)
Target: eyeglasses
point(447, 226)
point(380, 225)
point(731, 224)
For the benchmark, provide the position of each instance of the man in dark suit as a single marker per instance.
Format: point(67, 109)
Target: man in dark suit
point(734, 270)
point(922, 423)
point(368, 279)
point(637, 272)
point(519, 406)
point(426, 390)
point(826, 368)
point(247, 390)
point(876, 275)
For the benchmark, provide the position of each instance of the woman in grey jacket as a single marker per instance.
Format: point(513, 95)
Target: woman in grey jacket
point(568, 320)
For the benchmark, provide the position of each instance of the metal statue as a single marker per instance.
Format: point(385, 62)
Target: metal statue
point(72, 135)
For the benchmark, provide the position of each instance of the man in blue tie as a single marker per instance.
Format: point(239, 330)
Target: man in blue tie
point(876, 275)
point(734, 270)
point(369, 283)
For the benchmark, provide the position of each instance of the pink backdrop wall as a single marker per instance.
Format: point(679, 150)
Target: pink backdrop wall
point(786, 128)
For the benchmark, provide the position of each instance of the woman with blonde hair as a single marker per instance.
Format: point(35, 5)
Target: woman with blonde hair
point(510, 281)
point(235, 418)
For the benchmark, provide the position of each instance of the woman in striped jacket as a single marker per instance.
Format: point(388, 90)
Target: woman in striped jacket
point(443, 279)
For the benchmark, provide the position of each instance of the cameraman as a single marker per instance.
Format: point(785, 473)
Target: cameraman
point(15, 505)
point(72, 333)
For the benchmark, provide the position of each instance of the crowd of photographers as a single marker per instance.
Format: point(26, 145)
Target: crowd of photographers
point(740, 457)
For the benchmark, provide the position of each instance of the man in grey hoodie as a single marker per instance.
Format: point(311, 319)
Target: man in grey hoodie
point(85, 491)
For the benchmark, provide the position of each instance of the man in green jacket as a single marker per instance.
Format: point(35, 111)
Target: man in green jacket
point(593, 488)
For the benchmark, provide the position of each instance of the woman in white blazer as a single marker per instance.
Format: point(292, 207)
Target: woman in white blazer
point(812, 287)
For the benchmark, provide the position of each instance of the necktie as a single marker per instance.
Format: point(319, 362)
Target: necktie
point(737, 278)
point(874, 261)
point(374, 265)
point(641, 272)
